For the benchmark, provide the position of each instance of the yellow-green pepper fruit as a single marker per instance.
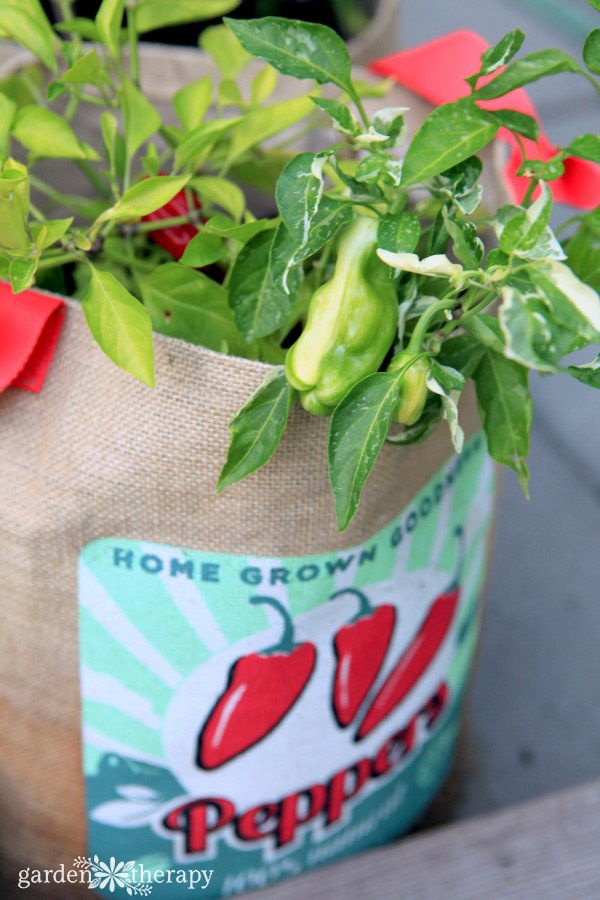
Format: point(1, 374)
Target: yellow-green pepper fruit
point(413, 387)
point(351, 323)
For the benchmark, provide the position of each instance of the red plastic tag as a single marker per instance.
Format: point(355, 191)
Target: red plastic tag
point(436, 72)
point(30, 324)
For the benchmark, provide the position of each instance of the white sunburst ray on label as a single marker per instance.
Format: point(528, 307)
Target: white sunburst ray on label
point(94, 738)
point(187, 597)
point(444, 520)
point(99, 687)
point(101, 606)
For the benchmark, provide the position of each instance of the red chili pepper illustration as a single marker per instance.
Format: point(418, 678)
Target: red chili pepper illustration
point(261, 690)
point(417, 657)
point(360, 648)
point(176, 238)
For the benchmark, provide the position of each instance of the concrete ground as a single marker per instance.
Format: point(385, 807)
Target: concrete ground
point(535, 710)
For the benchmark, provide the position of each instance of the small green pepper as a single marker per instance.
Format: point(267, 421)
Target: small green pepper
point(351, 323)
point(413, 388)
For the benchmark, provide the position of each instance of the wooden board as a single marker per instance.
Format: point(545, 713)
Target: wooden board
point(548, 849)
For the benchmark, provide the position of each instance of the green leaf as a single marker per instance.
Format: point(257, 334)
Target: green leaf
point(139, 117)
point(328, 219)
point(33, 32)
point(447, 383)
point(342, 118)
point(21, 273)
point(48, 135)
point(371, 168)
point(546, 169)
point(586, 146)
point(191, 103)
point(449, 135)
point(495, 57)
point(362, 191)
point(229, 93)
point(263, 85)
point(259, 301)
point(257, 429)
point(224, 227)
point(526, 70)
point(260, 124)
point(201, 137)
point(591, 51)
point(506, 412)
point(87, 70)
point(298, 194)
point(533, 338)
point(152, 14)
point(462, 352)
point(359, 426)
point(108, 24)
point(518, 122)
point(467, 246)
point(300, 49)
point(390, 121)
point(114, 144)
point(399, 233)
point(188, 305)
point(85, 28)
point(485, 330)
point(220, 192)
point(120, 325)
point(49, 232)
point(144, 197)
point(203, 250)
point(583, 255)
point(7, 114)
point(588, 373)
point(538, 218)
point(573, 304)
point(526, 232)
point(225, 49)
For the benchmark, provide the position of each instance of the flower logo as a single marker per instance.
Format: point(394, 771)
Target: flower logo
point(112, 875)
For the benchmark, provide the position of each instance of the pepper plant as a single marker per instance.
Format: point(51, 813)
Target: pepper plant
point(371, 291)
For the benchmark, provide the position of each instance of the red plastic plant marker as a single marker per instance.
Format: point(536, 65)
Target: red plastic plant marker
point(30, 324)
point(436, 72)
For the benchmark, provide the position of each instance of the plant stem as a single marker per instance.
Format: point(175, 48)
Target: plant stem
point(165, 223)
point(591, 79)
point(422, 325)
point(132, 261)
point(526, 201)
point(60, 260)
point(132, 37)
point(94, 178)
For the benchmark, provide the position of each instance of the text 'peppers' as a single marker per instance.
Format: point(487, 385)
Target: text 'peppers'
point(351, 323)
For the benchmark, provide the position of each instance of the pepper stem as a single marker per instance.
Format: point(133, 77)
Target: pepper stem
point(364, 609)
point(286, 642)
point(459, 533)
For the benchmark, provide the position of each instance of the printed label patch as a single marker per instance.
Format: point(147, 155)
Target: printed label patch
point(257, 716)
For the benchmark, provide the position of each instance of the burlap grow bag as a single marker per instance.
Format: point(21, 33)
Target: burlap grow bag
point(101, 475)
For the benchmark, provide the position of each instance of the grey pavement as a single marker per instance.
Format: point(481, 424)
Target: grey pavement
point(535, 702)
